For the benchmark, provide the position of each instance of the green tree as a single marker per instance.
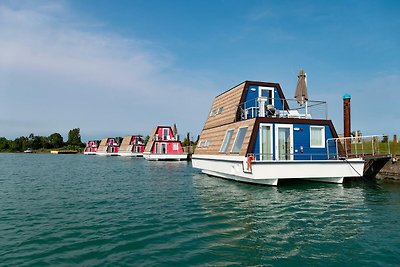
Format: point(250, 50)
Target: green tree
point(119, 139)
point(20, 144)
point(37, 142)
point(56, 140)
point(146, 139)
point(186, 140)
point(4, 144)
point(74, 138)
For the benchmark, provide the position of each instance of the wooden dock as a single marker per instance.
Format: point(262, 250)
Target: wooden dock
point(374, 164)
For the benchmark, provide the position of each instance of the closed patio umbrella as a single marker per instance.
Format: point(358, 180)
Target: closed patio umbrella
point(301, 88)
point(175, 130)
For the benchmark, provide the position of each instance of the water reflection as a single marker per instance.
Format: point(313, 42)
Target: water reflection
point(290, 221)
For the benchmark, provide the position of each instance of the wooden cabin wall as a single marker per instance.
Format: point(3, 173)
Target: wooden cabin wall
point(216, 136)
point(125, 143)
point(151, 140)
point(103, 145)
point(230, 101)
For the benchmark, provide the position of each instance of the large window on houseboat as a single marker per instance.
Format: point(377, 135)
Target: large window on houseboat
point(265, 141)
point(226, 141)
point(237, 145)
point(317, 136)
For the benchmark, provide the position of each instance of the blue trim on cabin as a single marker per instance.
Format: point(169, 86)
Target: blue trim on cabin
point(301, 142)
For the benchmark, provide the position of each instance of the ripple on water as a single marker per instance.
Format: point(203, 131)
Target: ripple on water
point(96, 211)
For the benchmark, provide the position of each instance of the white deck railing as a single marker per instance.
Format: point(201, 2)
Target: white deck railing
point(290, 108)
point(164, 138)
point(288, 157)
point(358, 147)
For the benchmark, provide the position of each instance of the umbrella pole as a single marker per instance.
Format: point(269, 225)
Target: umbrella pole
point(306, 109)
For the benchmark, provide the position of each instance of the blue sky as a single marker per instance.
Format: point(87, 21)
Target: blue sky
point(114, 68)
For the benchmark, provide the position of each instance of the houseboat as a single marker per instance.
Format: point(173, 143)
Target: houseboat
point(108, 147)
point(131, 146)
point(164, 144)
point(254, 134)
point(91, 148)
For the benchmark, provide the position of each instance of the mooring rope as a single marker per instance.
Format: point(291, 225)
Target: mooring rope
point(352, 167)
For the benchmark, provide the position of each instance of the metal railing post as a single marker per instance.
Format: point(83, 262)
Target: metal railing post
point(373, 148)
point(337, 149)
point(362, 147)
point(355, 146)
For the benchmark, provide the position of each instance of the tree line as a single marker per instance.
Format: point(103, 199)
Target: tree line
point(35, 142)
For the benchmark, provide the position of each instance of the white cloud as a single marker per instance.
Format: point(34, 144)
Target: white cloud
point(59, 74)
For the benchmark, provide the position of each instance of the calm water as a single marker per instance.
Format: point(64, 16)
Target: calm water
point(94, 211)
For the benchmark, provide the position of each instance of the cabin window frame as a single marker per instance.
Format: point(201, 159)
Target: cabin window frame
point(165, 136)
point(207, 143)
point(322, 135)
point(236, 139)
point(291, 144)
point(200, 144)
point(224, 146)
point(175, 146)
point(270, 155)
point(271, 100)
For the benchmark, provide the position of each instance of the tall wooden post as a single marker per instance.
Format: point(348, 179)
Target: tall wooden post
point(394, 149)
point(347, 122)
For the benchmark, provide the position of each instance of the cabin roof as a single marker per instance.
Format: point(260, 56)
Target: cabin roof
point(247, 82)
point(103, 142)
point(225, 107)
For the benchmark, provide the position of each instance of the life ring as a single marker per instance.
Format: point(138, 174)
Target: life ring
point(250, 159)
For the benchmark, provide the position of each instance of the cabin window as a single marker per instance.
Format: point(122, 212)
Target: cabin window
point(165, 132)
point(265, 141)
point(267, 93)
point(175, 146)
point(207, 143)
point(317, 136)
point(226, 141)
point(237, 145)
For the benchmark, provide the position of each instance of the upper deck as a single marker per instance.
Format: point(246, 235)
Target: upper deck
point(252, 99)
